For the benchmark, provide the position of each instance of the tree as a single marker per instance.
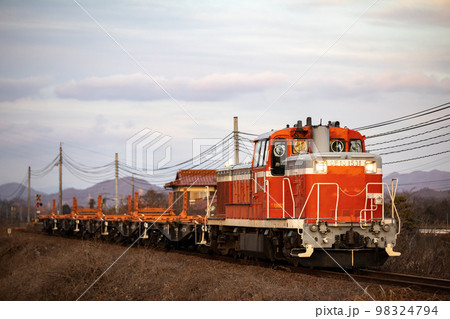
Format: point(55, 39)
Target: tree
point(92, 203)
point(154, 199)
point(66, 209)
point(405, 212)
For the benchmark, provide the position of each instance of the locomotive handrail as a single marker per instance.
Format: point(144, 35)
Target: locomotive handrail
point(266, 183)
point(372, 206)
point(318, 201)
point(392, 192)
point(292, 197)
point(394, 208)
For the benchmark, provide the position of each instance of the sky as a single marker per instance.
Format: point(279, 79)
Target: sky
point(93, 74)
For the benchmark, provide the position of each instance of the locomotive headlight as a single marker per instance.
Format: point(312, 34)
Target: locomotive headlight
point(320, 167)
point(370, 167)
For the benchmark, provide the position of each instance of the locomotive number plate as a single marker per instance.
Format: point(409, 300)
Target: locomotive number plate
point(346, 163)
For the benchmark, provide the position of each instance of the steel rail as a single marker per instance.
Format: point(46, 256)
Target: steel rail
point(405, 279)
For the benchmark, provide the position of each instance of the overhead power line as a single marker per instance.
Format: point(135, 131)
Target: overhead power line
point(46, 169)
point(414, 148)
point(251, 134)
point(413, 142)
point(18, 191)
point(422, 182)
point(406, 117)
point(416, 158)
point(412, 127)
point(409, 136)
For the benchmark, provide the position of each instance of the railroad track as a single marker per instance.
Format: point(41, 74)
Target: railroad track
point(362, 275)
point(436, 285)
point(404, 279)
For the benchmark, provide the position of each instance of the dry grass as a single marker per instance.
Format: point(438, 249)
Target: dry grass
point(40, 267)
point(421, 255)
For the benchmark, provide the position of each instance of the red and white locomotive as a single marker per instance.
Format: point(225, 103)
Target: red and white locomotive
point(312, 195)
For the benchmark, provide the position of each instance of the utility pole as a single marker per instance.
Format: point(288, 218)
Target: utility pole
point(12, 215)
point(117, 183)
point(132, 191)
point(236, 141)
point(29, 190)
point(60, 210)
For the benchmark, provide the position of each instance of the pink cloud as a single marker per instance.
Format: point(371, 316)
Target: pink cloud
point(408, 81)
point(142, 87)
point(388, 81)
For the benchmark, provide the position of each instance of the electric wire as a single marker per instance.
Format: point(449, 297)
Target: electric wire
point(409, 136)
point(422, 182)
point(245, 133)
point(18, 191)
point(413, 148)
point(406, 117)
point(224, 140)
point(414, 142)
point(416, 158)
point(439, 162)
point(46, 169)
point(412, 127)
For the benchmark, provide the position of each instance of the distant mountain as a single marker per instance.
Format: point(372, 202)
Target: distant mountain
point(433, 181)
point(9, 191)
point(107, 189)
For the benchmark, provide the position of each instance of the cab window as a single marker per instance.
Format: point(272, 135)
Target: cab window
point(260, 153)
point(337, 145)
point(355, 146)
point(257, 150)
point(278, 155)
point(263, 155)
point(299, 146)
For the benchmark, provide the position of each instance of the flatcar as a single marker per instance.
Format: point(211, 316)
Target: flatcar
point(312, 196)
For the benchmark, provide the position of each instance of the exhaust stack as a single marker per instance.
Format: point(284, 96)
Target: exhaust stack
point(320, 137)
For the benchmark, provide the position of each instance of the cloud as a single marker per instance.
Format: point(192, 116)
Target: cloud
point(13, 89)
point(389, 81)
point(429, 12)
point(139, 87)
point(394, 81)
